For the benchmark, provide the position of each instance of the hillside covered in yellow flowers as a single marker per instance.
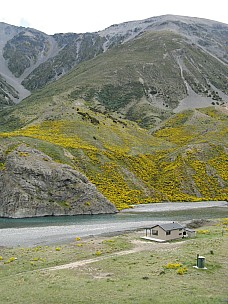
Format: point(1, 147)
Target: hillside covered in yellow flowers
point(183, 159)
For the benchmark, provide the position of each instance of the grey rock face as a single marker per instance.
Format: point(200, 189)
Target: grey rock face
point(32, 184)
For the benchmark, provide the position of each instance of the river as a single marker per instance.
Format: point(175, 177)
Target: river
point(58, 230)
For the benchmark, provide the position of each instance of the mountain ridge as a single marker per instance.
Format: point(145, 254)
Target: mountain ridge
point(65, 51)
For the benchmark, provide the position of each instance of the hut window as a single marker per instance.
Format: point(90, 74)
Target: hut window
point(154, 232)
point(168, 232)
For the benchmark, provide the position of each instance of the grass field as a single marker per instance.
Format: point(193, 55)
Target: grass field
point(144, 272)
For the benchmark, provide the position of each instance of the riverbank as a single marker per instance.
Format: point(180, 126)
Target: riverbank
point(128, 220)
point(157, 207)
point(62, 230)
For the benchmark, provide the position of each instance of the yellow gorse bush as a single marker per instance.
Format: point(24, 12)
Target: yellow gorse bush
point(173, 265)
point(205, 231)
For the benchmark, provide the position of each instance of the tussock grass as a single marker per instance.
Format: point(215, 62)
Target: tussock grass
point(142, 277)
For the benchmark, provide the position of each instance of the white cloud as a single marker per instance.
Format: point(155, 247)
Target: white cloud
point(90, 15)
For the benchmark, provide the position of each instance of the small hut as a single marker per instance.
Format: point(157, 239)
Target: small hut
point(189, 233)
point(165, 232)
point(168, 232)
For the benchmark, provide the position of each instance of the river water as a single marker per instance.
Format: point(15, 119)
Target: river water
point(58, 230)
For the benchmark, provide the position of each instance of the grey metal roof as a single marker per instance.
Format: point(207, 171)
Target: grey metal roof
point(188, 229)
point(170, 226)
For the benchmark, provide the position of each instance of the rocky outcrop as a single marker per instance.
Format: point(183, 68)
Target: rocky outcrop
point(32, 184)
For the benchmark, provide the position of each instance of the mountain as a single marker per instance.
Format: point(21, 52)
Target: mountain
point(132, 114)
point(184, 58)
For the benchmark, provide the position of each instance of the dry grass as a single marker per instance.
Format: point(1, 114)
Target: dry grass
point(141, 276)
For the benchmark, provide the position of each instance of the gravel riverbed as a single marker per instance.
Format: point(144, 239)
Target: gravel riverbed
point(58, 234)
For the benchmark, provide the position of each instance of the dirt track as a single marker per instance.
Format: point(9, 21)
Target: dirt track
point(139, 246)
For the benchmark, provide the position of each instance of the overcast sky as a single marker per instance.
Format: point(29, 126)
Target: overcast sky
point(82, 16)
